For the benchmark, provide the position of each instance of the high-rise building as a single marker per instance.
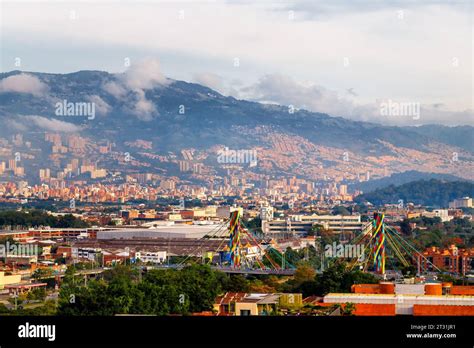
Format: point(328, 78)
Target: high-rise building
point(266, 213)
point(44, 174)
point(167, 184)
point(465, 202)
point(184, 166)
point(343, 190)
point(12, 164)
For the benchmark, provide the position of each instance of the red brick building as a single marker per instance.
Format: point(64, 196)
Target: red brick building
point(451, 259)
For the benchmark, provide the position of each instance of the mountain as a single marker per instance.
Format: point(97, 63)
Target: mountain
point(461, 136)
point(435, 193)
point(399, 179)
point(170, 116)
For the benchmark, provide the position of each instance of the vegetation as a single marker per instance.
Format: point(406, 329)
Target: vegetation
point(254, 225)
point(47, 308)
point(123, 290)
point(398, 179)
point(432, 192)
point(427, 232)
point(160, 292)
point(31, 218)
point(337, 278)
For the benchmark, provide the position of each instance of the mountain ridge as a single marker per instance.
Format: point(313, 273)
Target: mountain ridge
point(211, 119)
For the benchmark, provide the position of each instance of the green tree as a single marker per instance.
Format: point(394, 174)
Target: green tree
point(304, 273)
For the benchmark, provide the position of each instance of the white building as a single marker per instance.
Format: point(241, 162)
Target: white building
point(164, 231)
point(150, 256)
point(441, 213)
point(465, 202)
point(266, 213)
point(224, 211)
point(301, 224)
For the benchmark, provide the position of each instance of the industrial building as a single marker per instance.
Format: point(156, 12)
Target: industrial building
point(165, 231)
point(300, 225)
point(407, 299)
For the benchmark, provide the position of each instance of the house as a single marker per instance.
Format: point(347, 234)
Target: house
point(245, 304)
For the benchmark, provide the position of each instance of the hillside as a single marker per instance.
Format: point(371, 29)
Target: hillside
point(170, 116)
point(435, 193)
point(400, 179)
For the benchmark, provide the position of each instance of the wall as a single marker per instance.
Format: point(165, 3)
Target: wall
point(246, 306)
point(443, 310)
point(366, 309)
point(462, 290)
point(9, 279)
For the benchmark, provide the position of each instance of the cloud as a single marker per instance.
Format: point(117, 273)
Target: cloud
point(318, 10)
point(100, 105)
point(142, 107)
point(219, 83)
point(51, 124)
point(16, 125)
point(386, 58)
point(351, 92)
point(284, 90)
point(211, 80)
point(146, 74)
point(281, 89)
point(115, 89)
point(140, 77)
point(23, 83)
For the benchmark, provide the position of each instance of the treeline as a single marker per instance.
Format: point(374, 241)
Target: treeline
point(123, 290)
point(398, 179)
point(433, 232)
point(30, 218)
point(433, 193)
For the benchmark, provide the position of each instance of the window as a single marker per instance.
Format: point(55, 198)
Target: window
point(245, 312)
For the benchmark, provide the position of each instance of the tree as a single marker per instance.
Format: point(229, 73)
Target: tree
point(201, 285)
point(304, 273)
point(340, 210)
point(408, 271)
point(316, 230)
point(38, 294)
point(236, 283)
point(42, 273)
point(348, 308)
point(405, 227)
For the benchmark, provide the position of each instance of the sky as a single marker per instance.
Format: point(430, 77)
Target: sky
point(346, 58)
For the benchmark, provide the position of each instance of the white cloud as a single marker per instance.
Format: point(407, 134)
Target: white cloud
point(386, 59)
point(285, 90)
point(23, 83)
point(140, 77)
point(142, 107)
point(115, 89)
point(100, 105)
point(51, 124)
point(211, 80)
point(145, 74)
point(16, 125)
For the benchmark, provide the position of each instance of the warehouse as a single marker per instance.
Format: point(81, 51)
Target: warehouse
point(172, 231)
